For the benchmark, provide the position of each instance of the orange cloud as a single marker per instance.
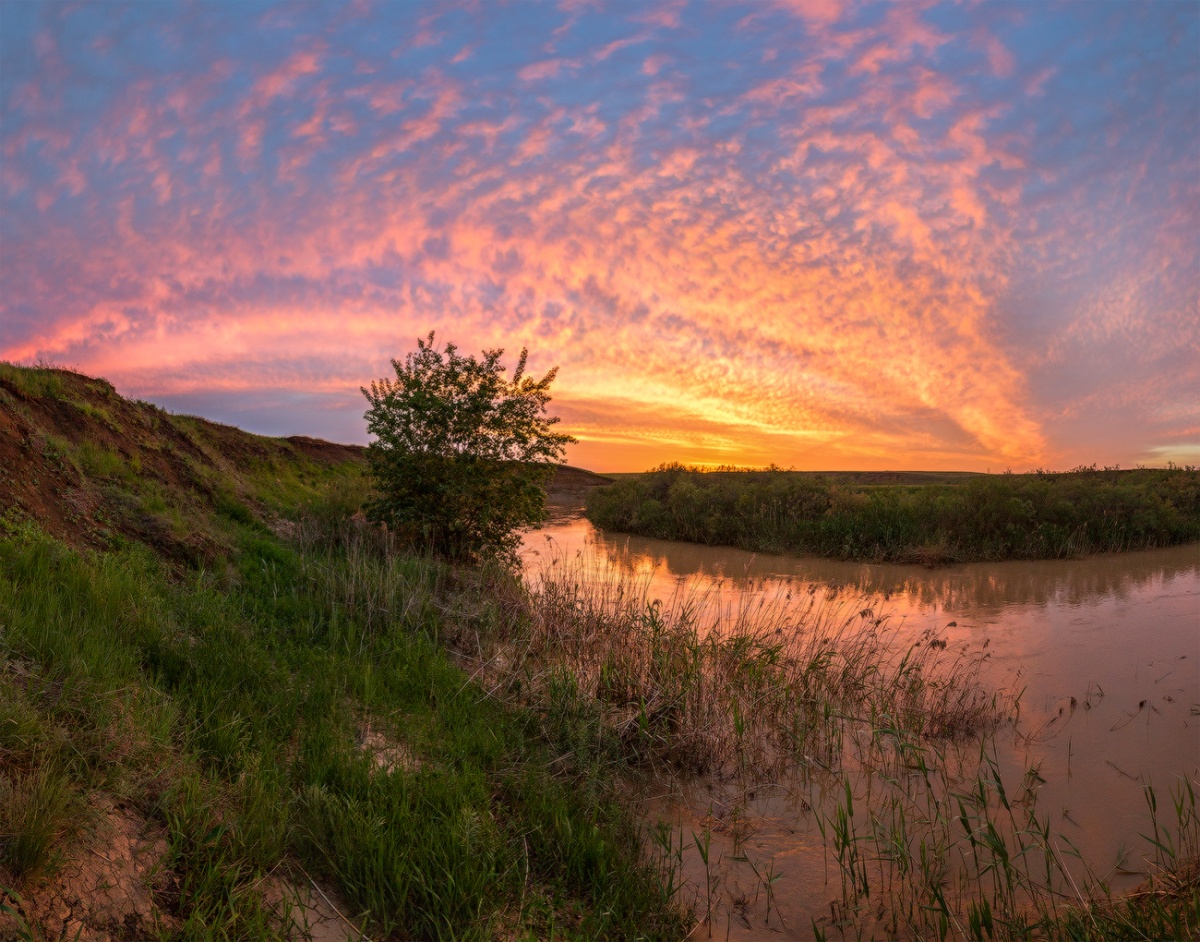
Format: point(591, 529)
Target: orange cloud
point(830, 257)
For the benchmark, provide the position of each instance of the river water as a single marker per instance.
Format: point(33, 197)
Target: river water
point(1104, 653)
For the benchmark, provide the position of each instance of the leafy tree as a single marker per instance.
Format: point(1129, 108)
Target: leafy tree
point(462, 455)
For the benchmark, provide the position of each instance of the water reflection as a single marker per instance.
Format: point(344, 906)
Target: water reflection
point(1105, 652)
point(975, 587)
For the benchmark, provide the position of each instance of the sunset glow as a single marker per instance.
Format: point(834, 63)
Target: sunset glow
point(810, 232)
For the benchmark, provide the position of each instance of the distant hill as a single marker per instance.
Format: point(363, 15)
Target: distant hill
point(569, 481)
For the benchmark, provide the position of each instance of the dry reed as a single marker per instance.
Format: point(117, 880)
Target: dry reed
point(731, 676)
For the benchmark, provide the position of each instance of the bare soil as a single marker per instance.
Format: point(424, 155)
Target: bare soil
point(113, 884)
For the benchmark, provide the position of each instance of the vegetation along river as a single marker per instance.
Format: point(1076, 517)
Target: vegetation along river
point(1103, 655)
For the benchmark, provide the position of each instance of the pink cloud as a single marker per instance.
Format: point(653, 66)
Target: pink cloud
point(546, 69)
point(999, 58)
point(654, 64)
point(823, 258)
point(665, 14)
point(604, 52)
point(822, 12)
point(282, 81)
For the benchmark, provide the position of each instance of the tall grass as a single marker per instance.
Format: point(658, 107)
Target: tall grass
point(748, 686)
point(34, 381)
point(727, 678)
point(1030, 516)
point(943, 854)
point(38, 811)
point(230, 708)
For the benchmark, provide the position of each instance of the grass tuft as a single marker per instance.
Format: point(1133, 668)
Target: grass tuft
point(39, 811)
point(34, 382)
point(941, 853)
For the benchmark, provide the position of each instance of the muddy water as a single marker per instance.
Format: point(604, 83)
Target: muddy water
point(1105, 653)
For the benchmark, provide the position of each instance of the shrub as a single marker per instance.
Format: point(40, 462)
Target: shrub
point(462, 454)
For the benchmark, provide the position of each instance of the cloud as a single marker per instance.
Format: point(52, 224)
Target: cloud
point(546, 69)
point(821, 12)
point(915, 237)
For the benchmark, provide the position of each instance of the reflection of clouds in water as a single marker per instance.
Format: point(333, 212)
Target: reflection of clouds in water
point(1050, 626)
point(601, 574)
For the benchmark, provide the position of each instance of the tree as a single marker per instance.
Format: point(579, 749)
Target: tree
point(462, 455)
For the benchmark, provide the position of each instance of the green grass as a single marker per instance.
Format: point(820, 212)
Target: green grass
point(982, 517)
point(38, 812)
point(935, 854)
point(99, 461)
point(230, 709)
point(98, 413)
point(33, 381)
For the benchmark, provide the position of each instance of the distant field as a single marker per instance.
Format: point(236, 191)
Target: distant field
point(913, 516)
point(847, 477)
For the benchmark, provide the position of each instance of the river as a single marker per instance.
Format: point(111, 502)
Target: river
point(1104, 653)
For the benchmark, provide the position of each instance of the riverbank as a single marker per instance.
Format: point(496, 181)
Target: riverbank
point(950, 519)
point(229, 710)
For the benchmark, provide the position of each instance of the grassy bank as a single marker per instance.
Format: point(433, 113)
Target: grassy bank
point(270, 730)
point(980, 517)
point(240, 706)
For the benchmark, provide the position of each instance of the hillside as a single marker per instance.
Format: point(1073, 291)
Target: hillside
point(231, 709)
point(95, 469)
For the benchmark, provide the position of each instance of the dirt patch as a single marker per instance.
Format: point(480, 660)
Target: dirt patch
point(388, 753)
point(114, 886)
point(329, 452)
point(308, 912)
point(285, 529)
point(106, 888)
point(32, 482)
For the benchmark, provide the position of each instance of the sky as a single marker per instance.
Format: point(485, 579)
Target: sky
point(817, 233)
